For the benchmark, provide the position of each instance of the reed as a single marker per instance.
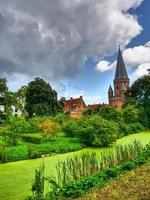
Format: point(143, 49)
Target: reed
point(85, 164)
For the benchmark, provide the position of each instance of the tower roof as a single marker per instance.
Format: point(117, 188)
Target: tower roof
point(120, 68)
point(110, 89)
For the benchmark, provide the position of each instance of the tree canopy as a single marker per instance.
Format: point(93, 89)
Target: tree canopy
point(139, 95)
point(41, 99)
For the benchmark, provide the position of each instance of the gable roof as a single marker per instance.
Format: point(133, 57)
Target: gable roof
point(120, 68)
point(73, 103)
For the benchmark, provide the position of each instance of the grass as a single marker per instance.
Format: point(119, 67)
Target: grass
point(61, 145)
point(16, 177)
point(133, 185)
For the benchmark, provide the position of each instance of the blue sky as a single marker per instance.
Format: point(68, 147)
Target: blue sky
point(92, 83)
point(73, 45)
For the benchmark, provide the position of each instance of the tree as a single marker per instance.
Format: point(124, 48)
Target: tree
point(106, 112)
point(130, 114)
point(93, 130)
point(6, 98)
point(139, 95)
point(49, 128)
point(16, 126)
point(40, 98)
point(3, 91)
point(20, 98)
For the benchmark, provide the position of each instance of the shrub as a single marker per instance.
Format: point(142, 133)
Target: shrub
point(34, 121)
point(61, 118)
point(97, 131)
point(33, 138)
point(70, 128)
point(130, 114)
point(126, 129)
point(129, 165)
point(4, 154)
point(49, 128)
point(17, 126)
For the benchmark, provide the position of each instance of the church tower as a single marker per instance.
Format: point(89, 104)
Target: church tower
point(121, 84)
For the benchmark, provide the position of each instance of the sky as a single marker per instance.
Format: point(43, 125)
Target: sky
point(73, 45)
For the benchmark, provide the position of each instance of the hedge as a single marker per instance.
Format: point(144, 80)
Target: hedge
point(33, 138)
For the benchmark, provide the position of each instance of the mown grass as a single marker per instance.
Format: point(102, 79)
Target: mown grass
point(134, 185)
point(61, 145)
point(16, 177)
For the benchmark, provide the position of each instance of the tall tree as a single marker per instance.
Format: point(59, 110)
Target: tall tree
point(3, 91)
point(139, 95)
point(40, 98)
point(20, 98)
point(6, 97)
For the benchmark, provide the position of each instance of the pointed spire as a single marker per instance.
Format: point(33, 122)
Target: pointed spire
point(110, 89)
point(120, 69)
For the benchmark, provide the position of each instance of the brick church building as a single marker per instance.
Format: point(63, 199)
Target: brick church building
point(121, 84)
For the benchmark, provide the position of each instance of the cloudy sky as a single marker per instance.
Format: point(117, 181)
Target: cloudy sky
point(73, 44)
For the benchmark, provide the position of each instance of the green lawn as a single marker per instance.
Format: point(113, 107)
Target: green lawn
point(16, 177)
point(61, 145)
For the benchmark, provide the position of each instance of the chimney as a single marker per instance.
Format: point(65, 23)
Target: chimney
point(71, 98)
point(80, 97)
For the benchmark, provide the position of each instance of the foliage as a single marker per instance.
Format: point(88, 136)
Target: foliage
point(139, 95)
point(6, 99)
point(40, 98)
point(34, 122)
point(38, 185)
point(4, 154)
point(97, 131)
point(50, 129)
point(132, 128)
point(92, 130)
point(20, 99)
point(17, 125)
point(61, 118)
point(33, 138)
point(109, 166)
point(27, 150)
point(106, 112)
point(131, 114)
point(70, 128)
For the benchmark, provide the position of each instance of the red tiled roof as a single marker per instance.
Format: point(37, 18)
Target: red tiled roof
point(72, 103)
point(94, 106)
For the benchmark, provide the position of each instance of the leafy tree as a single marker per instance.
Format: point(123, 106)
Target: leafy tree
point(106, 112)
point(131, 114)
point(97, 131)
point(61, 104)
point(93, 130)
point(139, 95)
point(70, 128)
point(49, 128)
point(20, 98)
point(6, 98)
point(17, 126)
point(40, 98)
point(61, 118)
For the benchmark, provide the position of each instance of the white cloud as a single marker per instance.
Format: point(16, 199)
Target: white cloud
point(104, 65)
point(138, 56)
point(52, 39)
point(140, 71)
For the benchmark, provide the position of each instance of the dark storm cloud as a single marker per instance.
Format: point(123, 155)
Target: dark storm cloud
point(53, 38)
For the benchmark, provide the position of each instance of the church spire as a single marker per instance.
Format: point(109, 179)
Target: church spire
point(120, 69)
